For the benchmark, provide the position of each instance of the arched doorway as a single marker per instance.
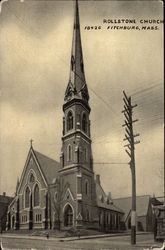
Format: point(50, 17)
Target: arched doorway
point(68, 216)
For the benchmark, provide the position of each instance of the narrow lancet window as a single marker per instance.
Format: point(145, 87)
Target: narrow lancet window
point(69, 121)
point(84, 123)
point(69, 153)
point(36, 196)
point(27, 197)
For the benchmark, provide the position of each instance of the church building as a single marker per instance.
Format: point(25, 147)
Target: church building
point(65, 195)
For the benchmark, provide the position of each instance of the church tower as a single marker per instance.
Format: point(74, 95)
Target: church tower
point(77, 176)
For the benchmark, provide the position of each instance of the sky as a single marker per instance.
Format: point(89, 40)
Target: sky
point(35, 49)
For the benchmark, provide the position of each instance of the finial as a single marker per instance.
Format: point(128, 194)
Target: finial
point(31, 143)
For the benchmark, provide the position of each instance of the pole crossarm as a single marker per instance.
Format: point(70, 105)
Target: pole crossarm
point(128, 132)
point(136, 135)
point(135, 121)
point(126, 109)
point(126, 106)
point(136, 142)
point(126, 124)
point(128, 153)
point(127, 117)
point(129, 136)
point(127, 98)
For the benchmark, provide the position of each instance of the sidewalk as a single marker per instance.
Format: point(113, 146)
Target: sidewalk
point(92, 242)
point(70, 238)
point(100, 236)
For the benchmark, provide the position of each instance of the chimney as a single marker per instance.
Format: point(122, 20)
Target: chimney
point(110, 198)
point(109, 195)
point(4, 193)
point(98, 179)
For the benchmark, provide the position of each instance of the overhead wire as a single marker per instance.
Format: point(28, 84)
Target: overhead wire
point(154, 83)
point(145, 90)
point(141, 91)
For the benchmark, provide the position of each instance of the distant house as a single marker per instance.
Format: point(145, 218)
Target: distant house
point(144, 209)
point(4, 202)
point(110, 216)
point(160, 221)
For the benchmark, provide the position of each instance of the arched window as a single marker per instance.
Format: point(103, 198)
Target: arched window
point(69, 153)
point(84, 123)
point(86, 187)
point(36, 195)
point(31, 178)
point(69, 121)
point(27, 197)
point(68, 216)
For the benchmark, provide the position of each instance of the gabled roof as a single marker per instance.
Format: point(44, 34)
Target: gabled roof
point(5, 199)
point(102, 199)
point(156, 202)
point(49, 167)
point(125, 204)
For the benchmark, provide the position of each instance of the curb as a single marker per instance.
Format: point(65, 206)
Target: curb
point(100, 236)
point(64, 239)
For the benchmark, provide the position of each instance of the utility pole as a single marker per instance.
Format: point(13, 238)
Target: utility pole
point(129, 136)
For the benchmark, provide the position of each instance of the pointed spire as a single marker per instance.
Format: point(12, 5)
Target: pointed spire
point(77, 87)
point(17, 185)
point(31, 143)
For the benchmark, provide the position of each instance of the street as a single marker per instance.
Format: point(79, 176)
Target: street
point(107, 243)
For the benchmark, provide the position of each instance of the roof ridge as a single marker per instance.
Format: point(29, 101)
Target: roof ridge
point(35, 151)
point(6, 196)
point(131, 197)
point(101, 188)
point(49, 167)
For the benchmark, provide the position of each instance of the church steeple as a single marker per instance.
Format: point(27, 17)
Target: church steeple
point(77, 88)
point(76, 148)
point(76, 158)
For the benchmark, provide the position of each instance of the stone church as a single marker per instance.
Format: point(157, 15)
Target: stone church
point(65, 195)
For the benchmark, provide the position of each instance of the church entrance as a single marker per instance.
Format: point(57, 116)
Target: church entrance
point(68, 216)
